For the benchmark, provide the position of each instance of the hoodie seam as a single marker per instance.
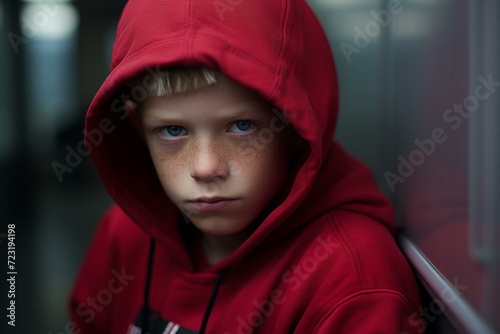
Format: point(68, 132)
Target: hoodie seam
point(361, 294)
point(346, 243)
point(285, 35)
point(189, 30)
point(279, 60)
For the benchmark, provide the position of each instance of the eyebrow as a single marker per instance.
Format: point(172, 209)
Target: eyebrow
point(160, 117)
point(151, 117)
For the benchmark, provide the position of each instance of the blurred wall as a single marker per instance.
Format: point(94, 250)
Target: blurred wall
point(54, 56)
point(420, 93)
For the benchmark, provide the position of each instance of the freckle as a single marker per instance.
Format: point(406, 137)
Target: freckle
point(226, 149)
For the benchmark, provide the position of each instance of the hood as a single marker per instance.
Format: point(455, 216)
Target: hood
point(278, 49)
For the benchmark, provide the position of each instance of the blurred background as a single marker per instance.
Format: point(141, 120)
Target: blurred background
point(420, 98)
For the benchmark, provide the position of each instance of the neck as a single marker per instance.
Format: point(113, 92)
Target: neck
point(217, 248)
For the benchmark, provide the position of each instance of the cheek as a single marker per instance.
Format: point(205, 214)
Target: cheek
point(169, 168)
point(264, 161)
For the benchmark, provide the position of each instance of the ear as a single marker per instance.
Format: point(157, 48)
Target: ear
point(132, 110)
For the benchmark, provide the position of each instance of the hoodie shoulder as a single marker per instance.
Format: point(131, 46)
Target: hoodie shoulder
point(118, 229)
point(359, 276)
point(114, 266)
point(374, 257)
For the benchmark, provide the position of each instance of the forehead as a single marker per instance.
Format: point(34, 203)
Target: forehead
point(223, 97)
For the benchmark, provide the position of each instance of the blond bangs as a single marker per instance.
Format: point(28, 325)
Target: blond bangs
point(176, 80)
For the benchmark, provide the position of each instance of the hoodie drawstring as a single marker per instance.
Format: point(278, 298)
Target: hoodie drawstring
point(149, 273)
point(211, 301)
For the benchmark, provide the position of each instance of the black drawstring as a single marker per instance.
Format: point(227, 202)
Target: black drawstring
point(211, 301)
point(149, 273)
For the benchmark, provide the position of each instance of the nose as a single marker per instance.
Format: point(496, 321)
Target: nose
point(209, 162)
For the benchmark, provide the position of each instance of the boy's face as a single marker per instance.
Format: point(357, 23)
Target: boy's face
point(220, 154)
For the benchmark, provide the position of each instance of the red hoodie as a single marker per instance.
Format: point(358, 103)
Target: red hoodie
point(323, 261)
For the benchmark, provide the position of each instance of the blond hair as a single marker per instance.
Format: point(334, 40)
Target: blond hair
point(175, 80)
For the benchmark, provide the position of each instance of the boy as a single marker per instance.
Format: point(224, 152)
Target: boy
point(236, 212)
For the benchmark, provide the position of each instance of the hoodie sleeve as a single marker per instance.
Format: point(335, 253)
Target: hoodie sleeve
point(377, 311)
point(103, 281)
point(83, 303)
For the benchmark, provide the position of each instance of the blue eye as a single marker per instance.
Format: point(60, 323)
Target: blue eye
point(172, 131)
point(241, 126)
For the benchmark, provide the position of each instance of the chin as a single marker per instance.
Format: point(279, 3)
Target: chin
point(219, 232)
point(220, 229)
